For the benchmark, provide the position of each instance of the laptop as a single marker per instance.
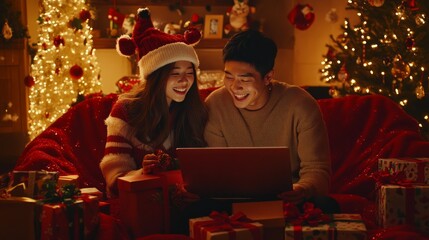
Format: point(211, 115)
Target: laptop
point(236, 172)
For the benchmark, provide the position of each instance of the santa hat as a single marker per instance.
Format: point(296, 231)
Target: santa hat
point(155, 48)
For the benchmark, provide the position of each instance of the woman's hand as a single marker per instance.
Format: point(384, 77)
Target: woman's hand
point(149, 163)
point(297, 195)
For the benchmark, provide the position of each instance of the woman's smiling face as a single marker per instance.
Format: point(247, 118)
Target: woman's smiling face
point(179, 82)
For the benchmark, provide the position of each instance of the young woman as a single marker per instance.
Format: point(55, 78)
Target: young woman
point(163, 112)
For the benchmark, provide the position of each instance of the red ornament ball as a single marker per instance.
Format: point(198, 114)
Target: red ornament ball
point(409, 42)
point(195, 18)
point(376, 3)
point(76, 72)
point(58, 40)
point(84, 15)
point(29, 81)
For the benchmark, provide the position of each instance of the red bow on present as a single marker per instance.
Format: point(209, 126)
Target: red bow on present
point(311, 215)
point(222, 222)
point(398, 178)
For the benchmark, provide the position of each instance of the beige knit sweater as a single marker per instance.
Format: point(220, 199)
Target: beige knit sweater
point(290, 118)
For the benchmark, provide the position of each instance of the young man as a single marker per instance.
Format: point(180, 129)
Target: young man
point(254, 110)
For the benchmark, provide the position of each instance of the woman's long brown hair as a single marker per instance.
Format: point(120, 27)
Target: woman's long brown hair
point(153, 120)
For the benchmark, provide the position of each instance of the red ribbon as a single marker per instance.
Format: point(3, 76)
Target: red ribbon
point(399, 178)
point(311, 216)
point(221, 222)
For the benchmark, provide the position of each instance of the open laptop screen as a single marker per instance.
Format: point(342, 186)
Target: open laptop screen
point(236, 172)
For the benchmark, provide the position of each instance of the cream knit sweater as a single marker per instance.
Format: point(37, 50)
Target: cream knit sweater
point(290, 118)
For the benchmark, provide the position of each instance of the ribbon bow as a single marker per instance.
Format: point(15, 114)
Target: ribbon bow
point(311, 215)
point(222, 222)
point(237, 220)
point(397, 178)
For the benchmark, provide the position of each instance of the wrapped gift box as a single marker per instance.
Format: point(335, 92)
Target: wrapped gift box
point(148, 201)
point(342, 226)
point(403, 205)
point(68, 179)
point(31, 219)
point(33, 181)
point(268, 213)
point(78, 220)
point(236, 227)
point(415, 169)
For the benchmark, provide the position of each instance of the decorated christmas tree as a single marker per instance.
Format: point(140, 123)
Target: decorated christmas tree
point(65, 68)
point(386, 52)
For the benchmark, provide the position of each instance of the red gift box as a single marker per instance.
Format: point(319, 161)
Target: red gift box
point(146, 198)
point(31, 219)
point(222, 227)
point(78, 220)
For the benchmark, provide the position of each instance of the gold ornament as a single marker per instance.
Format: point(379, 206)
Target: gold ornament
point(420, 19)
point(376, 3)
point(334, 92)
point(342, 39)
point(400, 69)
point(420, 91)
point(7, 31)
point(343, 75)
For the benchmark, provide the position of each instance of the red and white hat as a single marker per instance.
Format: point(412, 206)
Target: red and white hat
point(155, 48)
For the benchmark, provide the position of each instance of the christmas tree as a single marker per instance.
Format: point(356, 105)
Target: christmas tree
point(65, 68)
point(386, 53)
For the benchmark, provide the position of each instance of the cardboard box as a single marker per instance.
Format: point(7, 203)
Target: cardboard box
point(398, 205)
point(415, 169)
point(268, 213)
point(342, 226)
point(207, 228)
point(146, 198)
point(18, 216)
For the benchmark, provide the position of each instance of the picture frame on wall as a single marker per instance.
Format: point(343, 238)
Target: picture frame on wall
point(213, 26)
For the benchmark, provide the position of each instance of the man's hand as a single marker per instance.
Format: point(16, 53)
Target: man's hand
point(297, 195)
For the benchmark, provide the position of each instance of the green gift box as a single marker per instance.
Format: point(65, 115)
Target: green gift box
point(342, 226)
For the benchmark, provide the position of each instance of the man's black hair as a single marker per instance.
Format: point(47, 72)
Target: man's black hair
point(252, 47)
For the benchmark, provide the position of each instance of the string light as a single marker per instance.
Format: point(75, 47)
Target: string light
point(382, 53)
point(60, 46)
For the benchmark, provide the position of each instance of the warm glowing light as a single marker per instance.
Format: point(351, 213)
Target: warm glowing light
point(54, 90)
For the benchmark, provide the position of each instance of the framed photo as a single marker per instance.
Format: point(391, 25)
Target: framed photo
point(213, 26)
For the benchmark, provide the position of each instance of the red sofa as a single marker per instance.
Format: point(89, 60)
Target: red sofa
point(361, 129)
